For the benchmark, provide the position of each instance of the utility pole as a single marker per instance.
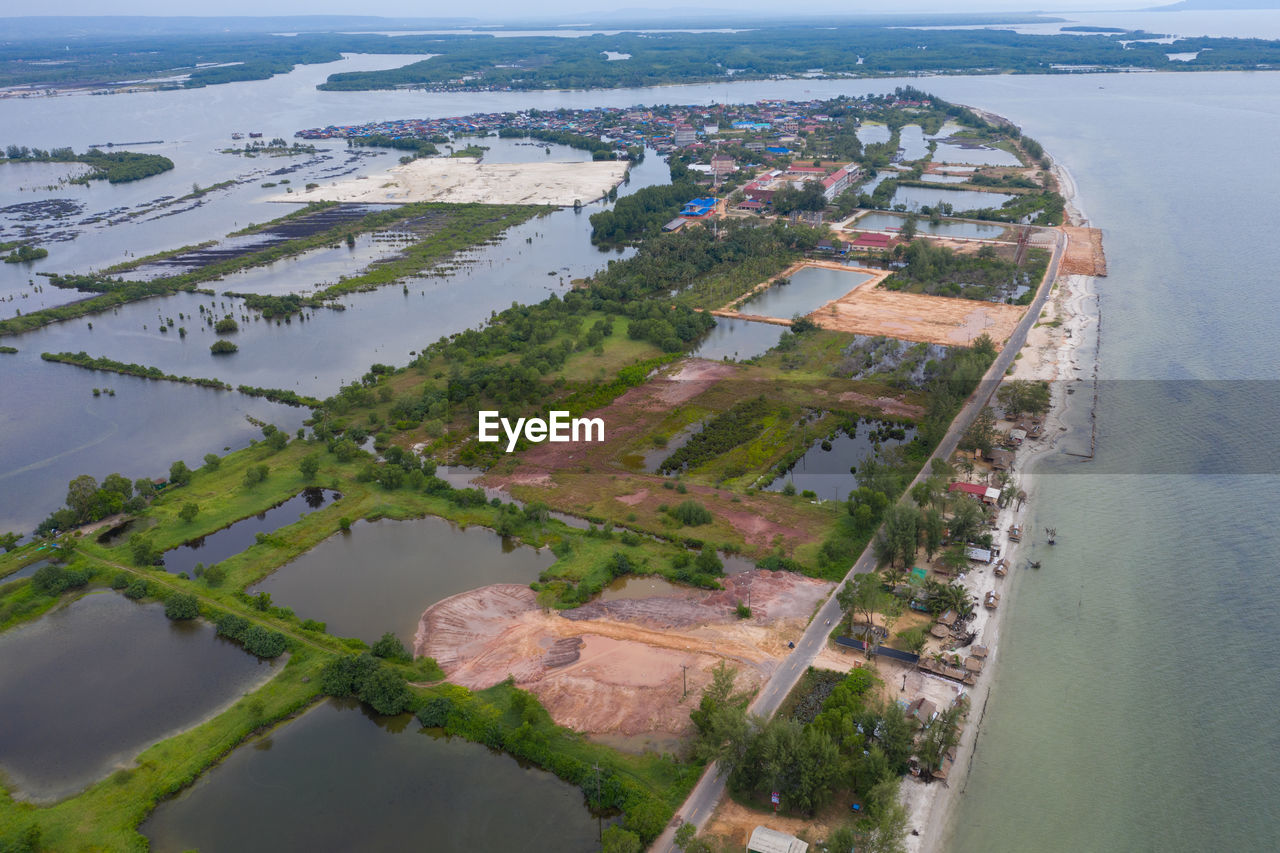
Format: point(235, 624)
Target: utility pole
point(684, 674)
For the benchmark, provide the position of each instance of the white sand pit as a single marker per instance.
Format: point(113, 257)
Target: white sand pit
point(465, 180)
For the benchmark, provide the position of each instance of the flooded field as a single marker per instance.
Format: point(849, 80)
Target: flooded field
point(825, 468)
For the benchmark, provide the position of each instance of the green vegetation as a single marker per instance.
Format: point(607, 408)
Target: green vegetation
point(832, 740)
point(223, 347)
point(83, 359)
point(116, 167)
point(24, 254)
point(600, 150)
point(986, 276)
point(722, 433)
point(8, 350)
point(641, 214)
point(418, 147)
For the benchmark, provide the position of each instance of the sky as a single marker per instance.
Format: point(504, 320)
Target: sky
point(499, 9)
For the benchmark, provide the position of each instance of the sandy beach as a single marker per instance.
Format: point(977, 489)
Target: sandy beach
point(466, 180)
point(1052, 353)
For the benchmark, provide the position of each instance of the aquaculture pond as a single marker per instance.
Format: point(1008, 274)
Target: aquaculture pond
point(738, 340)
point(824, 469)
point(978, 155)
point(935, 178)
point(231, 540)
point(381, 575)
point(914, 197)
point(948, 228)
point(59, 734)
point(339, 779)
point(808, 290)
point(912, 144)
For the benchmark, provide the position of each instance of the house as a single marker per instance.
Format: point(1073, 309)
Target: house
point(923, 710)
point(870, 240)
point(978, 555)
point(1001, 460)
point(986, 494)
point(723, 164)
point(1016, 437)
point(699, 207)
point(766, 840)
point(675, 224)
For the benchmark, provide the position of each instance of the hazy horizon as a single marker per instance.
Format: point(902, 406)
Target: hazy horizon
point(593, 10)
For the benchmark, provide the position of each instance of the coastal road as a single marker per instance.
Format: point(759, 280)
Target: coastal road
point(702, 800)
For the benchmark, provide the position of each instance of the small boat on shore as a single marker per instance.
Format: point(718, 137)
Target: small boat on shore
point(1000, 569)
point(1015, 534)
point(992, 600)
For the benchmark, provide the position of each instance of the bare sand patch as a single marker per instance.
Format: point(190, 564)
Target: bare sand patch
point(629, 660)
point(1084, 254)
point(918, 317)
point(463, 180)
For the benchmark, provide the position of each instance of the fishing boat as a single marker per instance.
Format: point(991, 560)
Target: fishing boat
point(1015, 534)
point(1034, 564)
point(1052, 533)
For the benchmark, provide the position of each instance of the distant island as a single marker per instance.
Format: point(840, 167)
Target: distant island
point(1217, 5)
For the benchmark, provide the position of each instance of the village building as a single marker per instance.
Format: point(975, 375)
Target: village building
point(987, 494)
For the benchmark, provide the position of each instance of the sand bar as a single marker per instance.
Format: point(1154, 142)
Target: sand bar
point(465, 180)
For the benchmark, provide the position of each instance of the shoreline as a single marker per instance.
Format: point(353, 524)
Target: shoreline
point(1050, 353)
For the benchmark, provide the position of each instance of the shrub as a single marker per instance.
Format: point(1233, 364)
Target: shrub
point(264, 643)
point(181, 606)
point(223, 348)
point(435, 712)
point(55, 580)
point(232, 627)
point(144, 551)
point(137, 588)
point(390, 648)
point(691, 513)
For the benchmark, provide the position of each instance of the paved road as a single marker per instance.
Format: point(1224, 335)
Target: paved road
point(704, 796)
